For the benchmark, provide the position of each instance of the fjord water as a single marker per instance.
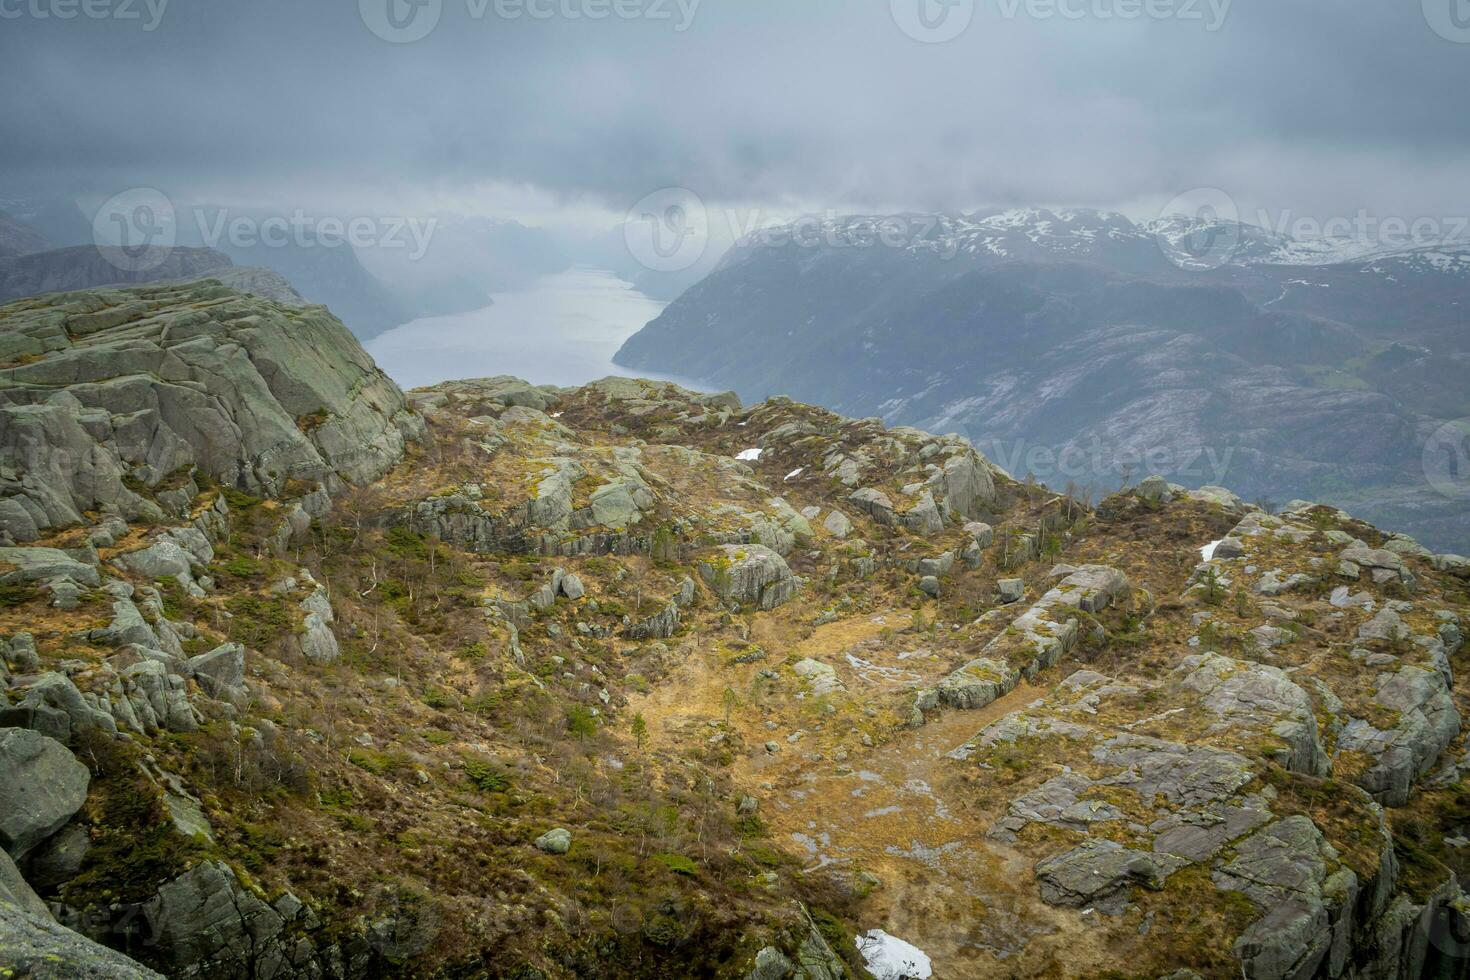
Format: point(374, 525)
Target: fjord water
point(562, 329)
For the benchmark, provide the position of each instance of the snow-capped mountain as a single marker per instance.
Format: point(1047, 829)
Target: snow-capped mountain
point(1319, 368)
point(1191, 243)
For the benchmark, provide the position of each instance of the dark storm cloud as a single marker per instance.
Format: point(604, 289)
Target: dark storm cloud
point(1315, 105)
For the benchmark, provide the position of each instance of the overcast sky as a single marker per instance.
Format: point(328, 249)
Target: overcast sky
point(1323, 107)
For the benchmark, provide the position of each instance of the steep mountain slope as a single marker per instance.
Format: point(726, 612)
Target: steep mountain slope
point(304, 677)
point(19, 238)
point(1071, 347)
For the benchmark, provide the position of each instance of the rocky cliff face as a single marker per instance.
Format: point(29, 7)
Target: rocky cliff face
point(315, 679)
point(1068, 346)
point(88, 266)
point(111, 396)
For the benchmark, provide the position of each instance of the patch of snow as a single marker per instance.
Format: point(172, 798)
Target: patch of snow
point(890, 958)
point(1208, 551)
point(749, 454)
point(796, 472)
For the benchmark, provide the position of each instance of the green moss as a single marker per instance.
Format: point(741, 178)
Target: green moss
point(405, 543)
point(487, 777)
point(377, 763)
point(239, 500)
point(678, 864)
point(242, 567)
point(258, 846)
point(257, 620)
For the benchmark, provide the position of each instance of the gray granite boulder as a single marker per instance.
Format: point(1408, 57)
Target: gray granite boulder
point(221, 671)
point(41, 786)
point(206, 923)
point(749, 574)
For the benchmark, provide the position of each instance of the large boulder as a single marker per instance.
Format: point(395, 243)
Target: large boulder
point(1285, 869)
point(19, 565)
point(52, 704)
point(749, 573)
point(207, 924)
point(221, 671)
point(42, 786)
point(1425, 722)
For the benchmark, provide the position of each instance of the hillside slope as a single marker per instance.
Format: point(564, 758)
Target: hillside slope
point(307, 678)
point(1068, 346)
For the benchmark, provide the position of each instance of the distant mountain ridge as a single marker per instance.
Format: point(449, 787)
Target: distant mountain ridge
point(87, 267)
point(19, 238)
point(1314, 370)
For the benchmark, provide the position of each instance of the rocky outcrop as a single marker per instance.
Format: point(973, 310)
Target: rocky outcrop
point(1101, 874)
point(1036, 640)
point(119, 391)
point(1258, 697)
point(1307, 902)
point(221, 671)
point(206, 923)
point(749, 574)
point(41, 786)
point(1426, 723)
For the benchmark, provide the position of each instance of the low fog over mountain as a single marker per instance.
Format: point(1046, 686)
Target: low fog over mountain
point(738, 489)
